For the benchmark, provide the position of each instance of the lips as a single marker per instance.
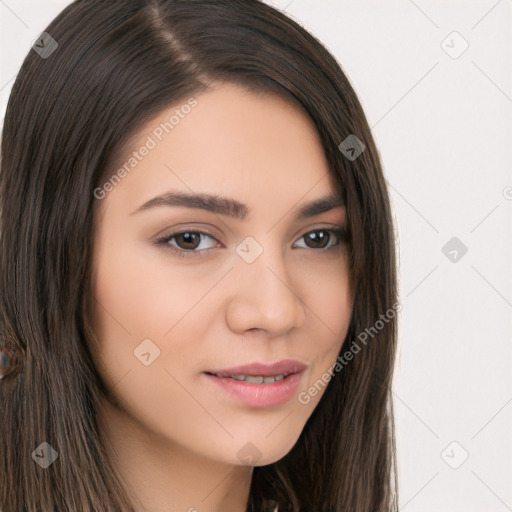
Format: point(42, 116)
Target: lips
point(259, 384)
point(253, 371)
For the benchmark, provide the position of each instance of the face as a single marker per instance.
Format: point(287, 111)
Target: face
point(188, 297)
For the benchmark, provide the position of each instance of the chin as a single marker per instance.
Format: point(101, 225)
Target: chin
point(262, 451)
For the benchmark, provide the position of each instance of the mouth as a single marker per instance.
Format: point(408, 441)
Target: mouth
point(260, 385)
point(253, 379)
point(261, 373)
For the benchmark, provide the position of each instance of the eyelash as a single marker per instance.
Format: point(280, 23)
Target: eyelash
point(340, 234)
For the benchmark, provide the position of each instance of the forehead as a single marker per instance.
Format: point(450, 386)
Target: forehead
point(231, 141)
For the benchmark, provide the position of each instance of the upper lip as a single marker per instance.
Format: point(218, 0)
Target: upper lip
point(283, 367)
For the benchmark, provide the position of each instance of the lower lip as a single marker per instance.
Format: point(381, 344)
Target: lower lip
point(260, 395)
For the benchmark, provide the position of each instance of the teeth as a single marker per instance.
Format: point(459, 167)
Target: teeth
point(258, 379)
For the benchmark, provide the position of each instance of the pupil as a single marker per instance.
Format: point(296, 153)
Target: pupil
point(316, 236)
point(189, 239)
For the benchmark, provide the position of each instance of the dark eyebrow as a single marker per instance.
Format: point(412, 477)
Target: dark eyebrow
point(231, 207)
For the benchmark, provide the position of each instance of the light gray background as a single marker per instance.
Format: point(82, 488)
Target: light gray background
point(443, 128)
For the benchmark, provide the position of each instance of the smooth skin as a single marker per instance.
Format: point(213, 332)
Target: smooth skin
point(175, 435)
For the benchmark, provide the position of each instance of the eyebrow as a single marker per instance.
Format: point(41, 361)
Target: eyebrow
point(231, 207)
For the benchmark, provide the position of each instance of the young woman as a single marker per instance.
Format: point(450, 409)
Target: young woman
point(198, 307)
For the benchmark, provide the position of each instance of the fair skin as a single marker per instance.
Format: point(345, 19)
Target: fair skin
point(176, 436)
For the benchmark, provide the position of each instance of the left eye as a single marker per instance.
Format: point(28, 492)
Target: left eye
point(187, 241)
point(319, 236)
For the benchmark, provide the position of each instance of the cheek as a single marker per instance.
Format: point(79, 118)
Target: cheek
point(140, 300)
point(330, 306)
point(140, 296)
point(329, 301)
point(140, 292)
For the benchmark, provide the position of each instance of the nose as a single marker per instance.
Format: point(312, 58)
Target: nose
point(264, 297)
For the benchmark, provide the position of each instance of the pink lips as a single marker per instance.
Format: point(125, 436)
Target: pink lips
point(281, 367)
point(260, 394)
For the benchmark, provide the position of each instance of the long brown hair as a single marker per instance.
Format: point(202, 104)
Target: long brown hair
point(70, 115)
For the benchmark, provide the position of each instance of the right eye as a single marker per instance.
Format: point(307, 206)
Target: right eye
point(187, 242)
